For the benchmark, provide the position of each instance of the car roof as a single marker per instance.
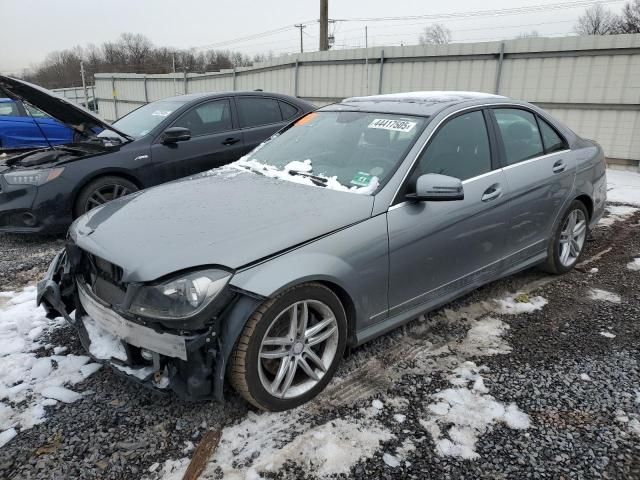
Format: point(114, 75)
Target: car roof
point(425, 103)
point(189, 97)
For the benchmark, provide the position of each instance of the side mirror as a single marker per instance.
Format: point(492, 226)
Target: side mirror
point(175, 134)
point(433, 187)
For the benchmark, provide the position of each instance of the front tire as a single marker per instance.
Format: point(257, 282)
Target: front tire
point(290, 348)
point(567, 243)
point(100, 191)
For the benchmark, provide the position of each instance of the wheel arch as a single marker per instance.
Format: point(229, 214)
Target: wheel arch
point(588, 203)
point(108, 172)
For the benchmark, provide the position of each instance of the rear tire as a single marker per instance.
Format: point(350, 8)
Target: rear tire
point(100, 191)
point(280, 363)
point(567, 243)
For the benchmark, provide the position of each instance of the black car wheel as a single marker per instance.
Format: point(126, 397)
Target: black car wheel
point(290, 348)
point(567, 243)
point(100, 191)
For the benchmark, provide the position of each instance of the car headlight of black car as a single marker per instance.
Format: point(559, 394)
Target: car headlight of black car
point(32, 177)
point(181, 297)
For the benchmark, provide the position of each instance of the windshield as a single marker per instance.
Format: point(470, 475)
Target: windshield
point(141, 121)
point(351, 151)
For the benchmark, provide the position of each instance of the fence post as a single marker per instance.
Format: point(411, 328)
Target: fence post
point(146, 93)
point(295, 80)
point(184, 76)
point(234, 79)
point(499, 68)
point(381, 68)
point(115, 97)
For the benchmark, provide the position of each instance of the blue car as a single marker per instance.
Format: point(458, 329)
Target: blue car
point(24, 126)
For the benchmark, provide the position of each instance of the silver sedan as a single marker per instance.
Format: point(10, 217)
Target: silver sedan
point(347, 223)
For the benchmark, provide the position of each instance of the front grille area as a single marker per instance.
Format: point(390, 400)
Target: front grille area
point(103, 278)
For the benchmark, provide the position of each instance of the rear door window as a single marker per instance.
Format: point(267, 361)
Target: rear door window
point(552, 141)
point(256, 111)
point(288, 110)
point(9, 109)
point(520, 135)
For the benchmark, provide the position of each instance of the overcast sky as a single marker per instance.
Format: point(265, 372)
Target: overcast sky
point(32, 28)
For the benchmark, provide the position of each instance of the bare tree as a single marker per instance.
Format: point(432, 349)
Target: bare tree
point(629, 21)
point(435, 34)
point(597, 20)
point(531, 34)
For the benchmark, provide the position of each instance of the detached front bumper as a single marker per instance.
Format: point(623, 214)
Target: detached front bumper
point(190, 363)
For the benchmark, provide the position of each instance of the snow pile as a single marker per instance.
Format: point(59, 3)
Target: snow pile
point(29, 383)
point(104, 345)
point(270, 171)
point(459, 415)
point(520, 303)
point(616, 213)
point(604, 296)
point(634, 266)
point(485, 338)
point(623, 186)
point(264, 442)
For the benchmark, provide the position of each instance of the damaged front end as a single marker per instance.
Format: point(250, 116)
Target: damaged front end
point(186, 355)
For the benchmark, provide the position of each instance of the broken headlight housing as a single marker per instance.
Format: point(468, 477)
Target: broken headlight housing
point(181, 297)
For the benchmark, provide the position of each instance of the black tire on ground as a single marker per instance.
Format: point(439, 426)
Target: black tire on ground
point(243, 365)
point(553, 264)
point(80, 207)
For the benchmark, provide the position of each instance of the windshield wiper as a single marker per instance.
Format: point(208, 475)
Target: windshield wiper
point(319, 181)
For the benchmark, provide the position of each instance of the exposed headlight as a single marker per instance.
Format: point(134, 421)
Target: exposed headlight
point(32, 177)
point(181, 297)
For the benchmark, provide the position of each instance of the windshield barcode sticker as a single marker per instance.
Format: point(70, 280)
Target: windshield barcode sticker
point(395, 125)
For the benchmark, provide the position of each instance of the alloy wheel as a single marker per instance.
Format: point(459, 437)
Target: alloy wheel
point(105, 194)
point(298, 348)
point(572, 237)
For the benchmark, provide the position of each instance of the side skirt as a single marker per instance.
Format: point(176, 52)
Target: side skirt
point(406, 316)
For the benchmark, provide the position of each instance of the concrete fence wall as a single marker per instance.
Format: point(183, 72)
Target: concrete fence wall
point(590, 83)
point(76, 94)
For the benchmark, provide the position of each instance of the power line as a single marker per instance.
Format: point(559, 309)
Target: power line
point(485, 13)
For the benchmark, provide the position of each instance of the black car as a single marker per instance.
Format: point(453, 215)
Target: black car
point(44, 189)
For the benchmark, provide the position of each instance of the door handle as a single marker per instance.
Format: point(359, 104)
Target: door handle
point(491, 193)
point(230, 141)
point(559, 166)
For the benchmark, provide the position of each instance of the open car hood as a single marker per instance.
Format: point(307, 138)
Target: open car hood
point(74, 116)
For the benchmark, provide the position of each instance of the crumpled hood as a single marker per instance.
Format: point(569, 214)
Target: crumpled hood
point(224, 218)
point(74, 116)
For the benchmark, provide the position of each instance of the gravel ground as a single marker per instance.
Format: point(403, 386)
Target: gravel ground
point(579, 428)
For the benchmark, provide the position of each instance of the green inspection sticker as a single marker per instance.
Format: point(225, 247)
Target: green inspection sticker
point(361, 179)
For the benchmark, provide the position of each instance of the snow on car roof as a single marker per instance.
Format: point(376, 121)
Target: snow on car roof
point(425, 97)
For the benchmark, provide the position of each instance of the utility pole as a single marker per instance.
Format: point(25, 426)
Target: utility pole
point(301, 27)
point(366, 54)
point(84, 86)
point(324, 25)
point(175, 89)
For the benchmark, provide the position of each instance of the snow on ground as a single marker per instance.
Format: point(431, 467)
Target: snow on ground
point(623, 186)
point(604, 296)
point(264, 442)
point(461, 414)
point(634, 266)
point(607, 334)
point(616, 213)
point(29, 383)
point(520, 303)
point(170, 469)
